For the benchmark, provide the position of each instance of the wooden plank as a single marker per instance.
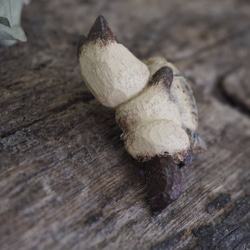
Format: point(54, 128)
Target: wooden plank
point(66, 181)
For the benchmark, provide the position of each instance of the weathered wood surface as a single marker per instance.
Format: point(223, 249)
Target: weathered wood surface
point(66, 181)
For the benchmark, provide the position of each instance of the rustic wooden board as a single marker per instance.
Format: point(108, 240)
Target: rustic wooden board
point(66, 181)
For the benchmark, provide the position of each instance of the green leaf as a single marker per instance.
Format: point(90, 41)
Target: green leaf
point(10, 16)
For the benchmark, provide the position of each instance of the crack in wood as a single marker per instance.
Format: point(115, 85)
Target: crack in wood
point(85, 98)
point(170, 243)
point(232, 232)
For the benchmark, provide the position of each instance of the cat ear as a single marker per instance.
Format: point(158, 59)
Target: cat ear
point(100, 31)
point(164, 76)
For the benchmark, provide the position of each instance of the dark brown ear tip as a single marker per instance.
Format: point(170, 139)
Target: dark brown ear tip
point(101, 30)
point(100, 23)
point(101, 18)
point(164, 75)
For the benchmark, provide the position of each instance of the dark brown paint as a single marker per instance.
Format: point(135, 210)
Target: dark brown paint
point(164, 182)
point(99, 31)
point(163, 75)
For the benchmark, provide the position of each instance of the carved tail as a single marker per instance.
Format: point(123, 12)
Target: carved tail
point(164, 182)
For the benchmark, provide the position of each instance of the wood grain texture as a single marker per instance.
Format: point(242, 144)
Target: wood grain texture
point(66, 181)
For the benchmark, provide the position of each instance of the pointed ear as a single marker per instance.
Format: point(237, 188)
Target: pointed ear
point(164, 76)
point(101, 30)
